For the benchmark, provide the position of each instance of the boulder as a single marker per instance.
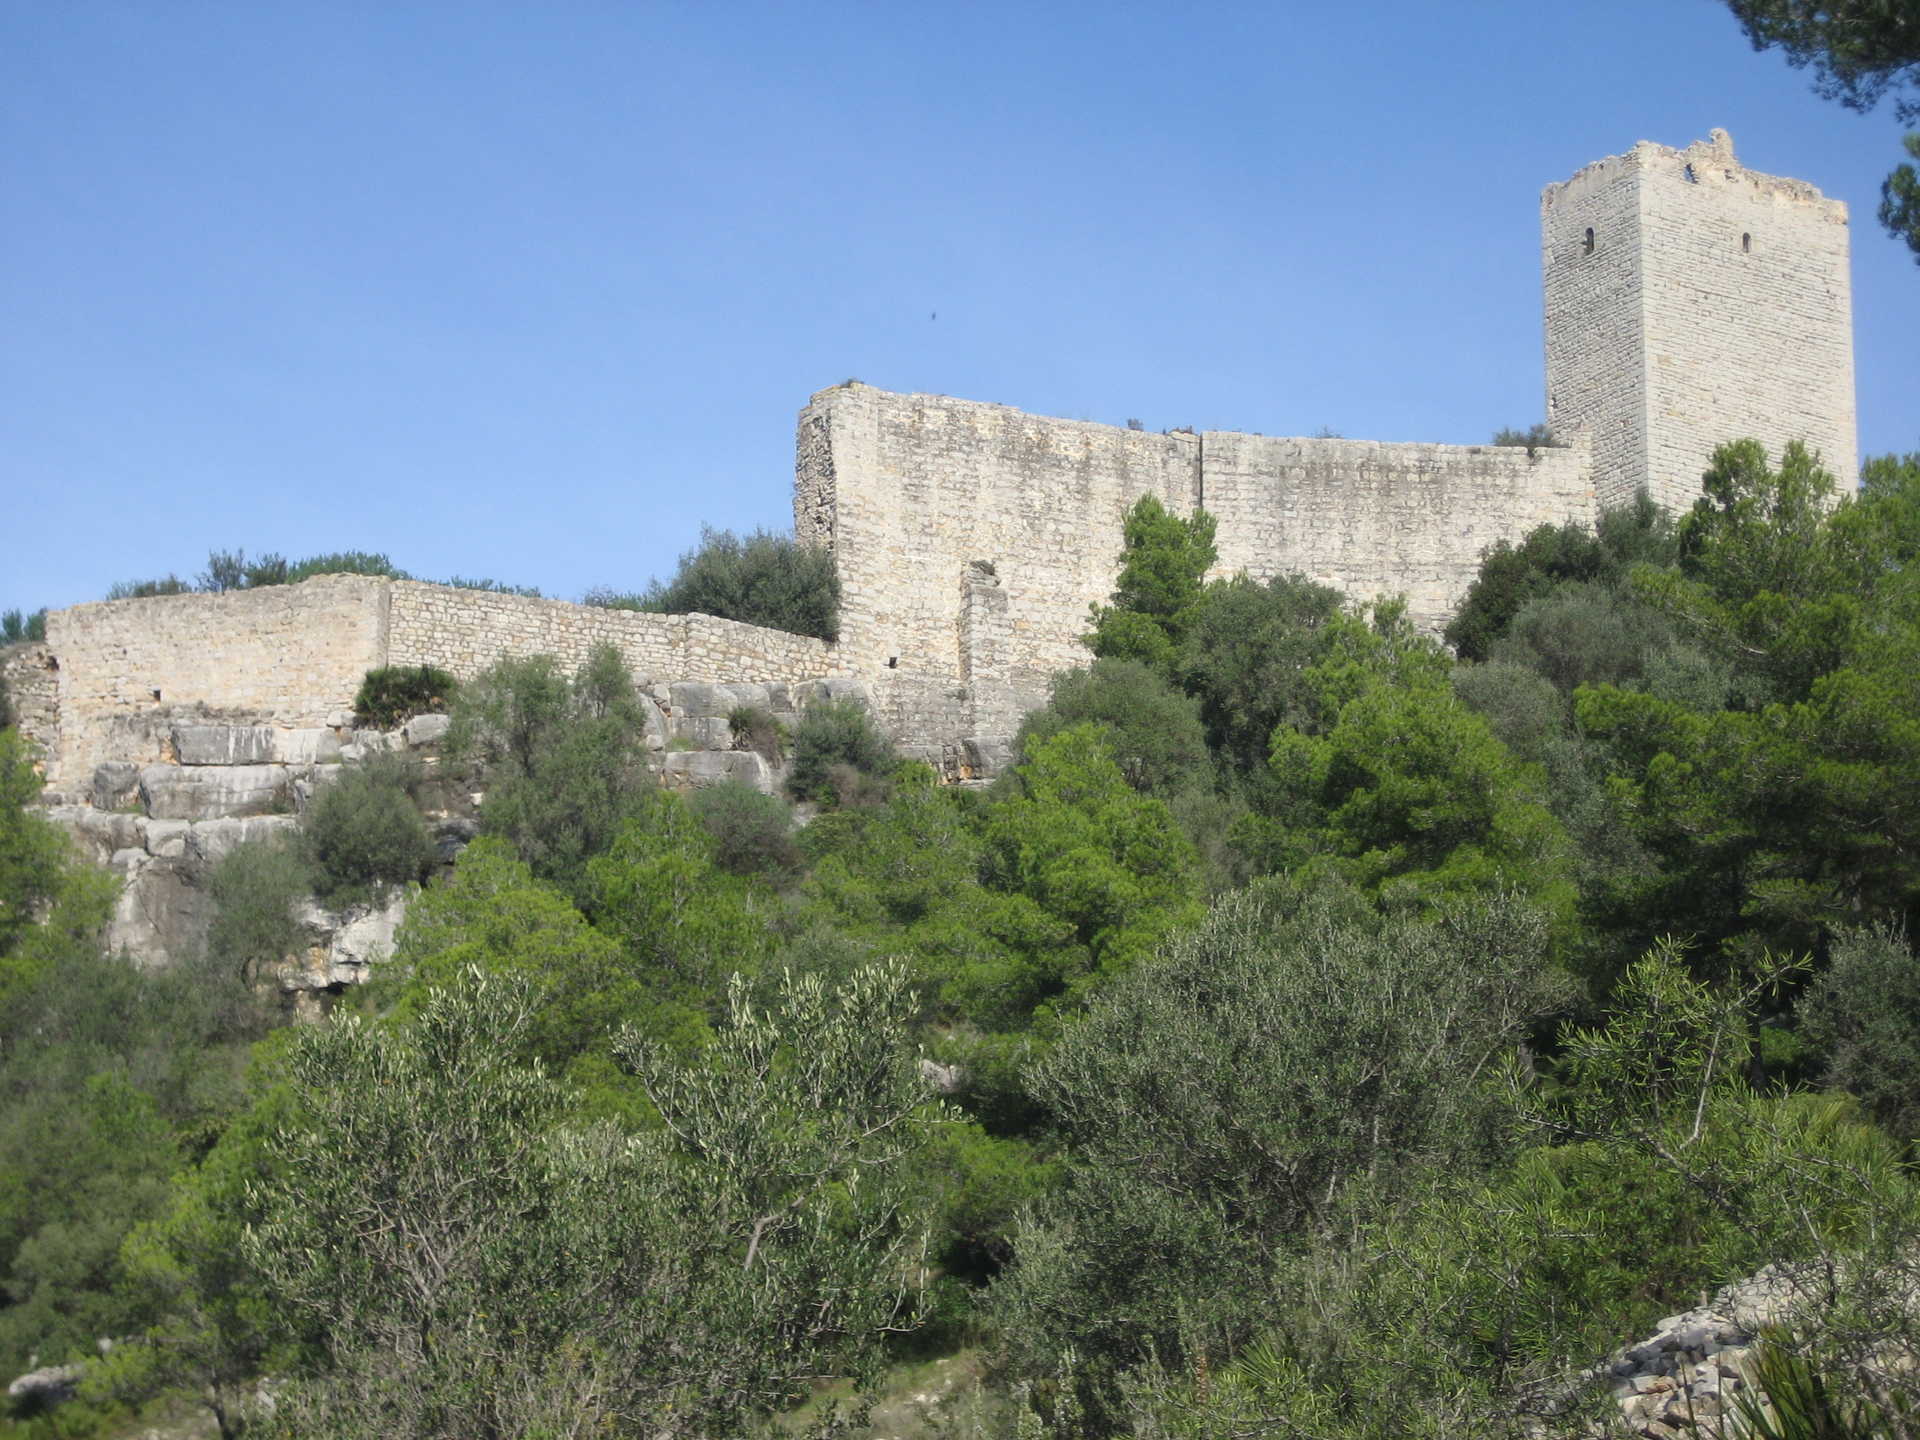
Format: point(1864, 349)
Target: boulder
point(209, 792)
point(211, 841)
point(426, 729)
point(657, 732)
point(46, 1387)
point(451, 836)
point(223, 744)
point(116, 785)
point(167, 839)
point(346, 943)
point(697, 769)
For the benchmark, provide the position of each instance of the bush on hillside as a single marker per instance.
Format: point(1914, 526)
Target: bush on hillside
point(363, 831)
point(255, 889)
point(757, 730)
point(752, 833)
point(759, 579)
point(394, 694)
point(839, 754)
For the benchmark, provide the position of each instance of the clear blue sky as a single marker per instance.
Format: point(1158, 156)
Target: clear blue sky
point(531, 291)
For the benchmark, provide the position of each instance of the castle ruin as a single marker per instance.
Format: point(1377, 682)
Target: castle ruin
point(1688, 301)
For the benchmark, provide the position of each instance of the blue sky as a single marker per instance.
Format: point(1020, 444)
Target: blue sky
point(531, 291)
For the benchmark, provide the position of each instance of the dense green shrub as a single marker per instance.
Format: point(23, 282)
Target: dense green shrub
point(1153, 730)
point(393, 694)
point(752, 833)
point(757, 730)
point(255, 890)
point(839, 754)
point(564, 760)
point(364, 831)
point(1163, 569)
point(760, 579)
point(1511, 575)
point(1317, 1047)
point(1863, 1018)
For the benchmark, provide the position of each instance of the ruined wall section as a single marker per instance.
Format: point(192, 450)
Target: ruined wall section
point(1590, 258)
point(464, 631)
point(1749, 315)
point(911, 491)
point(291, 655)
point(1376, 519)
point(31, 677)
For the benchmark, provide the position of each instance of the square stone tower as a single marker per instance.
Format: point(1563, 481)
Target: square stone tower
point(1690, 302)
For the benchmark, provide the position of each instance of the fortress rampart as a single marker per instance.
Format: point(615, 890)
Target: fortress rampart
point(1688, 301)
point(114, 676)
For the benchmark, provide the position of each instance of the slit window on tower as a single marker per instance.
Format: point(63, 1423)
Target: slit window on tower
point(1586, 246)
point(1746, 244)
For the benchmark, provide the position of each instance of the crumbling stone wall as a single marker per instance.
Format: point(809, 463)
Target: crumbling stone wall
point(32, 679)
point(464, 631)
point(1711, 302)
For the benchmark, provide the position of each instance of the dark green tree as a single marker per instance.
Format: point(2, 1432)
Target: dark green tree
point(1861, 51)
point(1163, 570)
point(757, 579)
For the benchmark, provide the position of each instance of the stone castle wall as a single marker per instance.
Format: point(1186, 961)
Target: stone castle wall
point(292, 655)
point(1373, 519)
point(116, 679)
point(31, 677)
point(464, 631)
point(1689, 301)
point(1715, 304)
point(952, 520)
point(913, 491)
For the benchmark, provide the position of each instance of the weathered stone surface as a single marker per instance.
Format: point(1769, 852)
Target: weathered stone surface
point(163, 910)
point(655, 721)
point(344, 944)
point(167, 839)
point(116, 785)
point(208, 792)
point(223, 744)
point(427, 729)
point(211, 841)
point(306, 747)
point(97, 834)
point(697, 769)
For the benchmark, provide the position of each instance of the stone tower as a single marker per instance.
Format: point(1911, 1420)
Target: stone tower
point(1690, 302)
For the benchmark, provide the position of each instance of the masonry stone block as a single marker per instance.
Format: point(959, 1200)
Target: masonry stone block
point(209, 792)
point(427, 729)
point(313, 746)
point(223, 744)
point(116, 785)
point(211, 841)
point(697, 769)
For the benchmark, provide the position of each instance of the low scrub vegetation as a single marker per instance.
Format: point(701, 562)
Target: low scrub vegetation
point(1316, 1031)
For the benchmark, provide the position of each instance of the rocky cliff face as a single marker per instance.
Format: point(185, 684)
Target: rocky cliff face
point(220, 780)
